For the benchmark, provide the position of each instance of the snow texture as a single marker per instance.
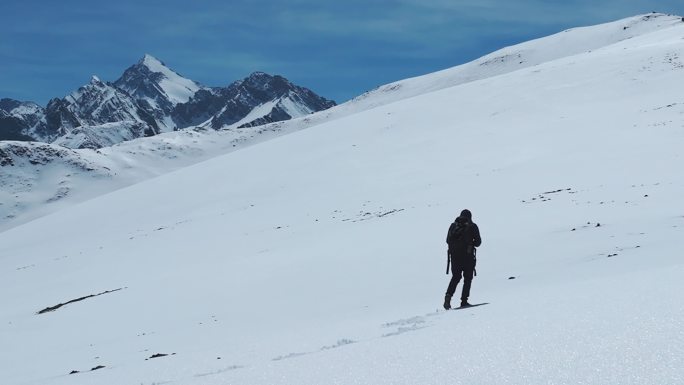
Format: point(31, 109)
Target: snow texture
point(318, 257)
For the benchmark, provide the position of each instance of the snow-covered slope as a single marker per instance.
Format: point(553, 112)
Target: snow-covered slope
point(564, 44)
point(318, 257)
point(568, 43)
point(40, 178)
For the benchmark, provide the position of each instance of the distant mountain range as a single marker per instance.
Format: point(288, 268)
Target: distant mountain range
point(150, 98)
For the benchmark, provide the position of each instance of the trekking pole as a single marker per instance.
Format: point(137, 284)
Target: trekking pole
point(448, 262)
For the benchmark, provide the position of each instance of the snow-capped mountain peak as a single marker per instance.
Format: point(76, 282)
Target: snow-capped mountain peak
point(157, 88)
point(257, 99)
point(150, 98)
point(269, 98)
point(95, 80)
point(152, 80)
point(154, 64)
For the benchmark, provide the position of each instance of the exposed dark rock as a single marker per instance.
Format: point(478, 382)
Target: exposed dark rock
point(158, 355)
point(59, 118)
point(8, 105)
point(21, 120)
point(53, 308)
point(40, 154)
point(201, 107)
point(12, 128)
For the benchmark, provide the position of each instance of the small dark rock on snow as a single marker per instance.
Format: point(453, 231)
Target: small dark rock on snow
point(157, 355)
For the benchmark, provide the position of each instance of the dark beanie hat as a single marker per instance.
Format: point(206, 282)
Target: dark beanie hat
point(466, 214)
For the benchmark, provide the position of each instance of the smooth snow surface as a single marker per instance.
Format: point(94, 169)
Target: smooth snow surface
point(318, 257)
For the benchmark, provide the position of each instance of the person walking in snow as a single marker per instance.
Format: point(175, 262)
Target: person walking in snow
point(463, 237)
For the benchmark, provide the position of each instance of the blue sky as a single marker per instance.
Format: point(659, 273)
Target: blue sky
point(339, 49)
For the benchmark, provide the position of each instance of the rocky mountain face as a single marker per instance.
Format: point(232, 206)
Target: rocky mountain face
point(12, 127)
point(95, 104)
point(157, 88)
point(150, 98)
point(279, 99)
point(21, 120)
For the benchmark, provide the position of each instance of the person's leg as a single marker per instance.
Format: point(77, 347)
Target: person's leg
point(467, 281)
point(455, 279)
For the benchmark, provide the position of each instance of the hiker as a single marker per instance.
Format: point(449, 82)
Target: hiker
point(463, 237)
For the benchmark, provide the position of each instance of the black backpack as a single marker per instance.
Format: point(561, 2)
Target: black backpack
point(456, 234)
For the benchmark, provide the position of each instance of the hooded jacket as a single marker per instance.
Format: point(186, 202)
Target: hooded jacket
point(463, 248)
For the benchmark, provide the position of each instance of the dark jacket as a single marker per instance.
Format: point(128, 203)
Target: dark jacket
point(463, 250)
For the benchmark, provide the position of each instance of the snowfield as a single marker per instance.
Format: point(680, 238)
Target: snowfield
point(318, 257)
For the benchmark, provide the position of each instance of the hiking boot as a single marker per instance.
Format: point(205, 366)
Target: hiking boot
point(464, 303)
point(447, 302)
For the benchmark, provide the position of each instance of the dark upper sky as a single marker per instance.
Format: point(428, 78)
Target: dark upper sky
point(339, 49)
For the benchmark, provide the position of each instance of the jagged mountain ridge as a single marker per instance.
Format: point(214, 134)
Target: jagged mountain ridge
point(21, 120)
point(150, 98)
point(232, 104)
point(157, 88)
point(95, 104)
point(13, 127)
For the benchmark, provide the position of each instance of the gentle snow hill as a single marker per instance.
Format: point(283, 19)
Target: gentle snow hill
point(318, 257)
point(528, 54)
point(39, 178)
point(28, 192)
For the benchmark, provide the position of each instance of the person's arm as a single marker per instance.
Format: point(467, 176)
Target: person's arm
point(477, 241)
